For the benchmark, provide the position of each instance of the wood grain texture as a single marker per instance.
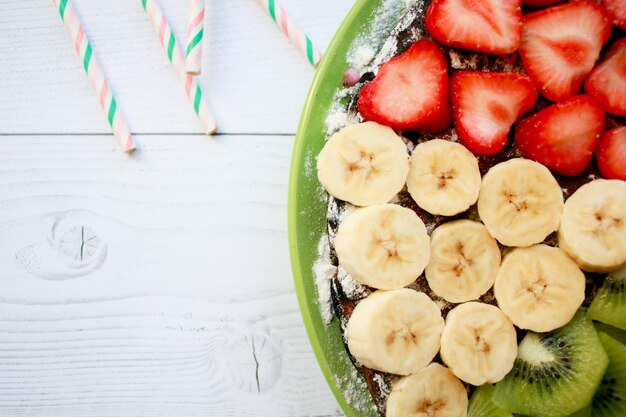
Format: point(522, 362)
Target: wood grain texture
point(255, 79)
point(157, 285)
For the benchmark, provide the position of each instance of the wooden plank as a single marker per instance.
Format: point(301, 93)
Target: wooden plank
point(255, 79)
point(143, 286)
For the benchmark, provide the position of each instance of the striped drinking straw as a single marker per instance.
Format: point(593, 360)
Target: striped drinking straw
point(289, 28)
point(95, 74)
point(177, 58)
point(195, 31)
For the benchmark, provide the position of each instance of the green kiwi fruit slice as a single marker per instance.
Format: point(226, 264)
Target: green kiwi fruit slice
point(610, 399)
point(480, 404)
point(614, 332)
point(609, 303)
point(583, 412)
point(555, 374)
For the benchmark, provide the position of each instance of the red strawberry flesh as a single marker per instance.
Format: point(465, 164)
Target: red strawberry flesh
point(492, 26)
point(563, 136)
point(611, 154)
point(561, 44)
point(410, 91)
point(617, 10)
point(485, 106)
point(607, 81)
point(541, 3)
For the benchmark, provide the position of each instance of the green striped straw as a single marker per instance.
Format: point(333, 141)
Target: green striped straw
point(95, 74)
point(289, 28)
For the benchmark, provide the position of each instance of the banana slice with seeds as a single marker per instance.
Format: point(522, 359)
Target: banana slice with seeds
point(364, 164)
point(385, 247)
point(593, 226)
point(478, 343)
point(464, 261)
point(431, 392)
point(444, 177)
point(395, 331)
point(520, 202)
point(539, 288)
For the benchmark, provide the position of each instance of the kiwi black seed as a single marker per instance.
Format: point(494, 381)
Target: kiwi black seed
point(480, 404)
point(610, 399)
point(556, 373)
point(609, 304)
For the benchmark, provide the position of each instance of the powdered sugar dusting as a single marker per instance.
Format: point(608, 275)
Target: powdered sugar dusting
point(374, 47)
point(350, 286)
point(355, 391)
point(324, 271)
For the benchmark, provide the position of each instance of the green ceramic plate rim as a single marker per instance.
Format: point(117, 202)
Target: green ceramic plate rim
point(307, 211)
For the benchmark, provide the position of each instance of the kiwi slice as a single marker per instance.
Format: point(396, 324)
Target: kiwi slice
point(555, 374)
point(609, 303)
point(610, 399)
point(614, 332)
point(583, 412)
point(480, 404)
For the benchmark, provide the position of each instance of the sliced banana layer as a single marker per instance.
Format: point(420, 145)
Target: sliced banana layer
point(444, 178)
point(395, 331)
point(478, 343)
point(520, 202)
point(539, 288)
point(363, 164)
point(464, 261)
point(384, 247)
point(431, 392)
point(593, 226)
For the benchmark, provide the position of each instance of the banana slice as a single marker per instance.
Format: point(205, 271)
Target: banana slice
point(520, 202)
point(444, 177)
point(464, 261)
point(364, 164)
point(539, 288)
point(395, 331)
point(385, 246)
point(593, 226)
point(478, 343)
point(431, 392)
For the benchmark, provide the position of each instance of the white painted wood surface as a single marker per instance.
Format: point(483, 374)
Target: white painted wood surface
point(157, 284)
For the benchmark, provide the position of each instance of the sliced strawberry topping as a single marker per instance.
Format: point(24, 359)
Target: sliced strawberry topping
point(611, 154)
point(563, 136)
point(617, 11)
point(410, 91)
point(485, 106)
point(541, 3)
point(492, 26)
point(607, 81)
point(561, 44)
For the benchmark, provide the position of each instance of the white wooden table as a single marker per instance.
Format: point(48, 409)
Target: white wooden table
point(157, 284)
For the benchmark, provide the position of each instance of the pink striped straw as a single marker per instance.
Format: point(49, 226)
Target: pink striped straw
point(195, 31)
point(289, 28)
point(95, 74)
point(177, 58)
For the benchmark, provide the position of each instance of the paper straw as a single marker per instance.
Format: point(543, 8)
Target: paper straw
point(95, 74)
point(177, 58)
point(195, 31)
point(289, 28)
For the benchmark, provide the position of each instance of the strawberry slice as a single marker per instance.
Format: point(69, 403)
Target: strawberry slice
point(492, 26)
point(410, 91)
point(561, 44)
point(611, 154)
point(563, 136)
point(486, 104)
point(617, 10)
point(607, 81)
point(541, 3)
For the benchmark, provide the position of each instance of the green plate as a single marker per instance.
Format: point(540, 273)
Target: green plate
point(307, 207)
